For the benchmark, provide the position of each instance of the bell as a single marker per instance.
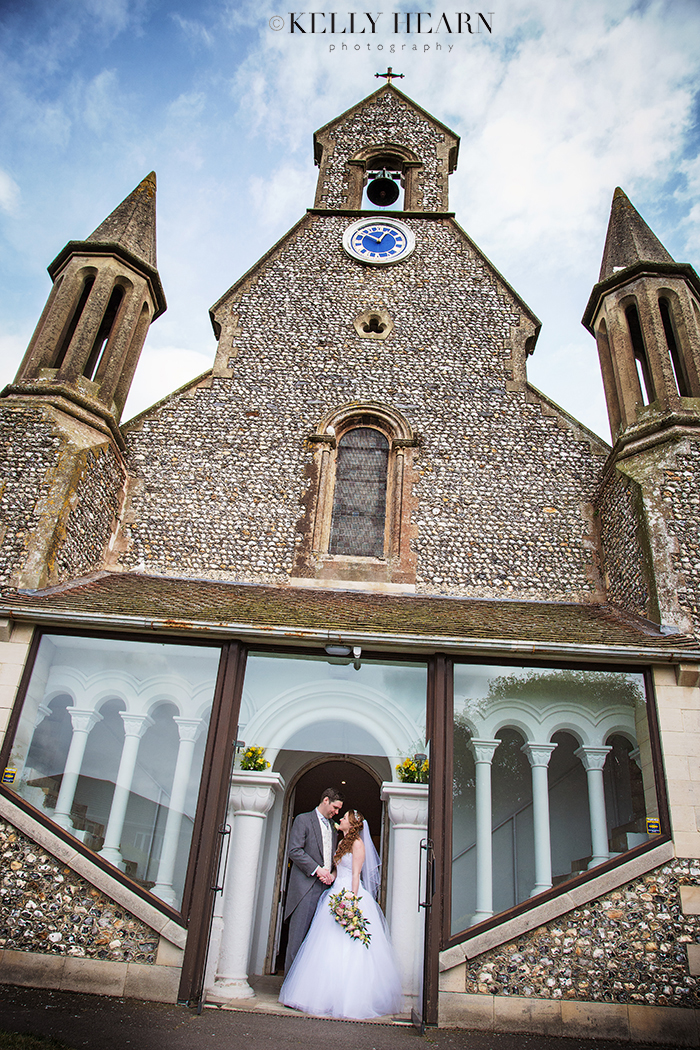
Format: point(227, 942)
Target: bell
point(382, 192)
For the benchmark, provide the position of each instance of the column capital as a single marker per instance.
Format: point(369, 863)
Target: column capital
point(253, 793)
point(538, 754)
point(189, 728)
point(83, 720)
point(135, 725)
point(592, 758)
point(43, 711)
point(483, 750)
point(407, 803)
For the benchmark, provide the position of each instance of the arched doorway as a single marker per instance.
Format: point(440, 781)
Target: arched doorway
point(360, 785)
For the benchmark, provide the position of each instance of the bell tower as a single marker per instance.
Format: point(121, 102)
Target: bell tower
point(385, 139)
point(645, 315)
point(106, 292)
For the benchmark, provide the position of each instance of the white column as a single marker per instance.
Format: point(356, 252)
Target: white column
point(251, 798)
point(408, 814)
point(83, 721)
point(189, 730)
point(483, 751)
point(134, 728)
point(538, 756)
point(593, 760)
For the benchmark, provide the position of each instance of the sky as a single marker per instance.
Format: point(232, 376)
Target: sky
point(559, 103)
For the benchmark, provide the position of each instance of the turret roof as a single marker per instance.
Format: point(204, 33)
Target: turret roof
point(629, 240)
point(132, 224)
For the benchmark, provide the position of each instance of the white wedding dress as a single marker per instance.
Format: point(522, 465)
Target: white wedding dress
point(334, 975)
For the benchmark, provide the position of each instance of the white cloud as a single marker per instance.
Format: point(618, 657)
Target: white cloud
point(196, 33)
point(277, 197)
point(162, 370)
point(9, 193)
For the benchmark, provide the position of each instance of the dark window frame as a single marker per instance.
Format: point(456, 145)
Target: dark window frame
point(449, 939)
point(181, 916)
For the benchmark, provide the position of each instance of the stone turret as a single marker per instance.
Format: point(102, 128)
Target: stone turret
point(106, 293)
point(645, 315)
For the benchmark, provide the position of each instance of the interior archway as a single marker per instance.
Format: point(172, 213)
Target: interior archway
point(360, 785)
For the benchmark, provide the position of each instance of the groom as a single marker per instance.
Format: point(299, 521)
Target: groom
point(311, 848)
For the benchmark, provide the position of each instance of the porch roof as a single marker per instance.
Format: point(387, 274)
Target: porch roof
point(297, 614)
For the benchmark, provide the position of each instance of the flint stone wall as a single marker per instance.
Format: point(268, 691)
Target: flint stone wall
point(94, 505)
point(681, 497)
point(59, 494)
point(29, 450)
point(630, 946)
point(505, 484)
point(622, 555)
point(46, 907)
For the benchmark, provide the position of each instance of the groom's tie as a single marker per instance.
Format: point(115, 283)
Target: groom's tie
point(327, 842)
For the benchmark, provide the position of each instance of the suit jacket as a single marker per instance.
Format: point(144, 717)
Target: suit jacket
point(306, 854)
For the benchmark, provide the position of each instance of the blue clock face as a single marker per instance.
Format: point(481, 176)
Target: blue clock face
point(377, 242)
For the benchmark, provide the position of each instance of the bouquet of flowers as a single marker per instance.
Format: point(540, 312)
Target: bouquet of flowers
point(345, 909)
point(412, 772)
point(254, 759)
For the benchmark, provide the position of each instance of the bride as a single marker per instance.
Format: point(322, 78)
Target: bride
point(334, 975)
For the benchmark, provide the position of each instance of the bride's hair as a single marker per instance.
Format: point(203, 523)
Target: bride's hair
point(357, 822)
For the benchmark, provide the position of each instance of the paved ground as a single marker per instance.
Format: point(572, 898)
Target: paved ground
point(98, 1023)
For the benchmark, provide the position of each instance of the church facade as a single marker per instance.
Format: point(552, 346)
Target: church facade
point(362, 550)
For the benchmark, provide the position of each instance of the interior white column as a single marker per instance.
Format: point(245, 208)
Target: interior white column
point(82, 721)
point(189, 730)
point(483, 751)
point(251, 798)
point(593, 760)
point(134, 728)
point(408, 815)
point(539, 756)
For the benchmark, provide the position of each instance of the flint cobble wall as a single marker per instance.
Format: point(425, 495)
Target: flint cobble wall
point(46, 907)
point(29, 448)
point(94, 504)
point(36, 457)
point(504, 483)
point(622, 556)
point(627, 947)
point(681, 498)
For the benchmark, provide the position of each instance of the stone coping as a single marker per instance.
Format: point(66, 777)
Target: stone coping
point(567, 901)
point(98, 977)
point(667, 1025)
point(94, 874)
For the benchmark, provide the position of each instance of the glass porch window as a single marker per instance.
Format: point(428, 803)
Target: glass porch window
point(110, 745)
point(553, 775)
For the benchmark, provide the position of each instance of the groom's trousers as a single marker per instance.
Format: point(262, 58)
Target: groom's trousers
point(300, 920)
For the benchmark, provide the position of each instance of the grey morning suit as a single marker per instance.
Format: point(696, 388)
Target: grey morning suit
point(306, 854)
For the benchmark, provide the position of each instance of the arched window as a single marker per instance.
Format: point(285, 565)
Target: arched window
point(358, 520)
point(359, 499)
point(69, 332)
point(103, 333)
point(640, 355)
point(673, 348)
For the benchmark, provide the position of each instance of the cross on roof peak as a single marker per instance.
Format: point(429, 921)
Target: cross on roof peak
point(390, 75)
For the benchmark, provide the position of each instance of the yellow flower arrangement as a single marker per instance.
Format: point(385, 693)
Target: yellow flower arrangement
point(254, 759)
point(412, 772)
